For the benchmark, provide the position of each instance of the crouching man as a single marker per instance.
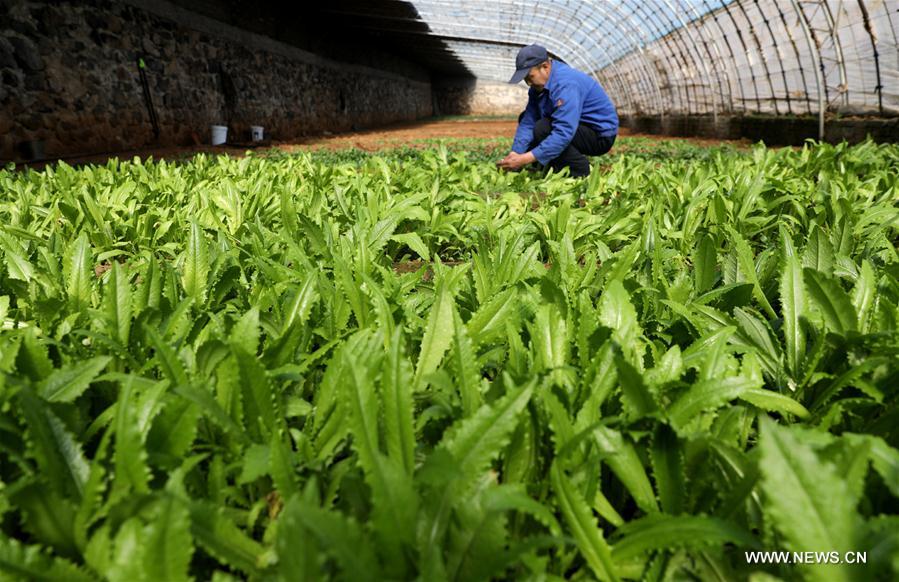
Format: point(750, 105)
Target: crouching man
point(568, 116)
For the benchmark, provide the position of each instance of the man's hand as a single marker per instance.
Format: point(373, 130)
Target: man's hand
point(514, 161)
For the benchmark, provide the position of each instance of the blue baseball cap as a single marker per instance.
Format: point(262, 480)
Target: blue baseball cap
point(529, 56)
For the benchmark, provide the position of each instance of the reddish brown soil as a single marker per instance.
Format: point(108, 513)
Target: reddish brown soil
point(416, 134)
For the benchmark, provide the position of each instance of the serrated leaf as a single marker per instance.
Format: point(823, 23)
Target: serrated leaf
point(704, 264)
point(117, 305)
point(583, 526)
point(465, 367)
point(130, 455)
point(195, 270)
point(393, 497)
point(617, 312)
point(619, 453)
point(22, 562)
point(168, 546)
point(665, 532)
point(489, 321)
point(258, 398)
point(77, 271)
point(340, 537)
point(17, 266)
point(832, 301)
point(746, 262)
point(438, 333)
point(67, 384)
point(283, 471)
point(245, 332)
point(792, 305)
point(634, 392)
point(668, 469)
point(707, 395)
point(222, 539)
point(396, 393)
point(298, 551)
point(58, 454)
point(773, 401)
point(864, 295)
point(473, 442)
point(807, 502)
point(414, 242)
point(818, 254)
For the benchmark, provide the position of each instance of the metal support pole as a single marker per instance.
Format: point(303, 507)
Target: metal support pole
point(816, 56)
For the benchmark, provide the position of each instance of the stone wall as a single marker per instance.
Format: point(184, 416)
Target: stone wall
point(70, 79)
point(470, 97)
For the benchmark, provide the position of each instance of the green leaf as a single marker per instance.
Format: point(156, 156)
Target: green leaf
point(258, 397)
point(489, 321)
point(747, 268)
point(67, 384)
point(393, 497)
point(77, 271)
point(668, 469)
point(21, 562)
point(708, 395)
point(807, 501)
point(465, 367)
point(832, 301)
point(617, 312)
point(704, 264)
point(864, 295)
point(792, 304)
point(130, 454)
point(473, 442)
point(583, 526)
point(58, 454)
point(414, 242)
point(773, 401)
point(298, 552)
point(283, 471)
point(549, 339)
point(245, 332)
point(438, 333)
point(168, 546)
point(47, 517)
point(223, 540)
point(195, 270)
point(117, 305)
point(666, 532)
point(818, 255)
point(17, 266)
point(514, 498)
point(634, 393)
point(339, 536)
point(621, 456)
point(396, 393)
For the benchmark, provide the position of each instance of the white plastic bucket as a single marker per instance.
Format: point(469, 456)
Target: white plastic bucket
point(219, 134)
point(256, 132)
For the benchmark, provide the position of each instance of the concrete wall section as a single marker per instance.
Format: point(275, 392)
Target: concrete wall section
point(70, 79)
point(470, 97)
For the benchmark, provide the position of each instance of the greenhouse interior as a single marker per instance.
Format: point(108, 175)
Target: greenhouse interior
point(449, 290)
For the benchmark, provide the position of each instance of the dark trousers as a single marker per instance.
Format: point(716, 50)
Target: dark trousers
point(584, 143)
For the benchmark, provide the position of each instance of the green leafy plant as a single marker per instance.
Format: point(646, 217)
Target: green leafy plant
point(341, 365)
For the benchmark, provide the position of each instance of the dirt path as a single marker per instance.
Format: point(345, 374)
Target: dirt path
point(417, 134)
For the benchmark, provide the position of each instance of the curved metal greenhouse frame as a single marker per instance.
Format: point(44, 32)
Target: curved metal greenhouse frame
point(695, 57)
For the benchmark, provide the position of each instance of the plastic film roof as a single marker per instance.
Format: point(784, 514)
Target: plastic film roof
point(693, 56)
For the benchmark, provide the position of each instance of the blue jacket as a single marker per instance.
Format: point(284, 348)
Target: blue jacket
point(570, 97)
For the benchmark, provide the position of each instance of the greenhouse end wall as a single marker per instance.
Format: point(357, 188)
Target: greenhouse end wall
point(773, 130)
point(70, 80)
point(473, 97)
